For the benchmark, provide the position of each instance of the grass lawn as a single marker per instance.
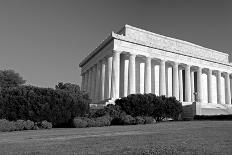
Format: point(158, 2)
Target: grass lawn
point(192, 137)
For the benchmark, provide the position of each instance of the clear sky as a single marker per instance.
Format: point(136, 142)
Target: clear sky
point(45, 40)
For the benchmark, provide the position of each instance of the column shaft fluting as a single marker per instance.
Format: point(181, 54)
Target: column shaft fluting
point(93, 84)
point(103, 67)
point(192, 86)
point(199, 84)
point(86, 80)
point(180, 85)
point(175, 88)
point(108, 77)
point(187, 84)
point(98, 84)
point(115, 75)
point(148, 75)
point(219, 88)
point(89, 82)
point(162, 78)
point(125, 77)
point(210, 86)
point(227, 89)
point(131, 74)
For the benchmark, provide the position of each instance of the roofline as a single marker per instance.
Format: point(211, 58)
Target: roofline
point(97, 49)
point(173, 39)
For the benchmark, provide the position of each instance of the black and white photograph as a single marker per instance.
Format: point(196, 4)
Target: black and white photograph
point(107, 77)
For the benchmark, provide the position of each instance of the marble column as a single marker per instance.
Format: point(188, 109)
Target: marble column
point(125, 77)
point(86, 80)
point(90, 82)
point(108, 77)
point(98, 84)
point(162, 78)
point(192, 86)
point(103, 67)
point(210, 86)
point(219, 88)
point(93, 83)
point(187, 84)
point(82, 81)
point(148, 75)
point(227, 89)
point(175, 88)
point(131, 74)
point(180, 85)
point(115, 75)
point(199, 84)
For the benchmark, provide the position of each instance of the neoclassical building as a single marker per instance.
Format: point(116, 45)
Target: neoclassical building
point(137, 61)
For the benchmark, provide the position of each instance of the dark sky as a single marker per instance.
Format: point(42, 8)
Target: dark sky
point(45, 40)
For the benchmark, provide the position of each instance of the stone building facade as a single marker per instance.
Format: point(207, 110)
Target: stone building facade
point(137, 61)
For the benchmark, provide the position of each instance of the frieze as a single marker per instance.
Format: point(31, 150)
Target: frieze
point(173, 45)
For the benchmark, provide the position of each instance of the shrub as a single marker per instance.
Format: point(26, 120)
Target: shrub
point(110, 110)
point(148, 120)
point(58, 106)
point(159, 107)
point(79, 123)
point(103, 121)
point(29, 125)
point(46, 125)
point(20, 125)
point(6, 125)
point(173, 108)
point(90, 122)
point(139, 120)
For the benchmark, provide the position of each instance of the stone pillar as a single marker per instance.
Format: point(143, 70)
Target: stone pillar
point(199, 84)
point(90, 82)
point(103, 67)
point(192, 86)
point(82, 81)
point(162, 78)
point(131, 74)
point(219, 88)
point(227, 89)
point(98, 84)
point(125, 78)
point(180, 85)
point(210, 86)
point(148, 75)
point(175, 88)
point(187, 84)
point(115, 75)
point(86, 80)
point(93, 84)
point(108, 77)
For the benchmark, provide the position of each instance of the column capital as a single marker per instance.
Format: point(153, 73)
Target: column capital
point(116, 52)
point(132, 54)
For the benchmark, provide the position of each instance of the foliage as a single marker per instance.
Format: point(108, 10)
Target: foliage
point(29, 125)
point(148, 120)
point(159, 107)
point(9, 78)
point(139, 120)
point(37, 104)
point(109, 110)
point(81, 107)
point(19, 125)
point(46, 125)
point(6, 125)
point(82, 122)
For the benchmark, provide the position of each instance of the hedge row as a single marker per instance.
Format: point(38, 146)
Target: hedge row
point(19, 125)
point(159, 107)
point(83, 122)
point(58, 106)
